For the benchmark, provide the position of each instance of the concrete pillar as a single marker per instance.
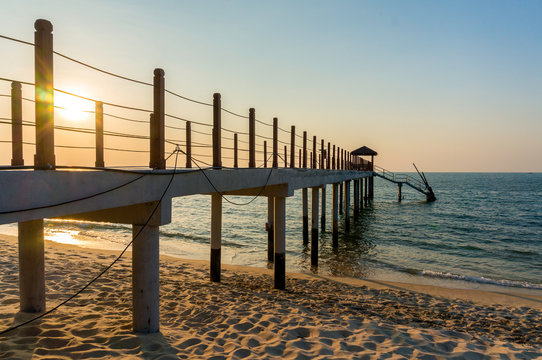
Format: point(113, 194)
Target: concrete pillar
point(314, 226)
point(31, 266)
point(279, 266)
point(335, 215)
point(323, 216)
point(145, 279)
point(270, 228)
point(216, 236)
point(305, 217)
point(347, 205)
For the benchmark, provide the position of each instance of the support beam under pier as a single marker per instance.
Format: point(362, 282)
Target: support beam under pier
point(335, 215)
point(305, 217)
point(347, 206)
point(31, 266)
point(270, 228)
point(145, 279)
point(323, 216)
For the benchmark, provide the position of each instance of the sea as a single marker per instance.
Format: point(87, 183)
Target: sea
point(484, 231)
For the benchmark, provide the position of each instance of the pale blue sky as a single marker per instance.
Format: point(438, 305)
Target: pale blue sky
point(452, 86)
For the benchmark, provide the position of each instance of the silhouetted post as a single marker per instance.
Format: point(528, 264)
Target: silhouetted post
point(270, 228)
point(400, 186)
point(251, 138)
point(371, 187)
point(217, 131)
point(43, 62)
point(356, 198)
point(280, 243)
point(31, 266)
point(366, 188)
point(304, 149)
point(99, 117)
point(275, 142)
point(157, 150)
point(342, 159)
point(146, 278)
point(322, 154)
point(285, 156)
point(292, 147)
point(299, 158)
point(328, 165)
point(333, 160)
point(335, 215)
point(235, 163)
point(314, 226)
point(305, 206)
point(312, 167)
point(188, 144)
point(264, 154)
point(216, 236)
point(314, 152)
point(16, 124)
point(347, 206)
point(323, 216)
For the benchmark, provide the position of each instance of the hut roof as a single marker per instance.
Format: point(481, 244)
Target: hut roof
point(364, 151)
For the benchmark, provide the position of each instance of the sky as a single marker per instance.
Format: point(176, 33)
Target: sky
point(449, 85)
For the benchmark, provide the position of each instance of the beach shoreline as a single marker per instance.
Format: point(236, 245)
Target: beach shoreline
point(317, 316)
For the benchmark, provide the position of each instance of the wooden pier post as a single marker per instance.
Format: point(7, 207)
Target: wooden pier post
point(31, 266)
point(292, 147)
point(264, 154)
point(44, 95)
point(314, 153)
point(328, 157)
point(347, 206)
point(270, 228)
point(366, 190)
point(323, 216)
point(235, 162)
point(333, 160)
point(356, 198)
point(304, 149)
point(400, 195)
point(279, 265)
point(251, 138)
point(335, 215)
point(275, 142)
point(16, 124)
point(145, 279)
point(99, 121)
point(361, 193)
point(300, 159)
point(285, 156)
point(216, 236)
point(371, 187)
point(157, 130)
point(322, 154)
point(312, 167)
point(341, 196)
point(305, 206)
point(217, 131)
point(189, 144)
point(314, 226)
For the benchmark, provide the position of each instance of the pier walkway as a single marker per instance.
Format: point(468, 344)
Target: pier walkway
point(142, 196)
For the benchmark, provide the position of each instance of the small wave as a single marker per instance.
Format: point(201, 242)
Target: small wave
point(481, 280)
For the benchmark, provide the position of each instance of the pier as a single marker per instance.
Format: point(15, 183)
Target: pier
point(142, 196)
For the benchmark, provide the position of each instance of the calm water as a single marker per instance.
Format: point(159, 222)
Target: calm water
point(484, 228)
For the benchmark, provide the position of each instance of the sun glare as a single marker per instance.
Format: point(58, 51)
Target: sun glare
point(73, 108)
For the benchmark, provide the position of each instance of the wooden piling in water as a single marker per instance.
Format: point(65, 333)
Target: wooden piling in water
point(355, 183)
point(335, 215)
point(16, 124)
point(400, 195)
point(341, 191)
point(279, 264)
point(361, 193)
point(314, 226)
point(270, 228)
point(216, 236)
point(305, 206)
point(347, 206)
point(323, 216)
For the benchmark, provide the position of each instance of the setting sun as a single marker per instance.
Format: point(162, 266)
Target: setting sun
point(73, 108)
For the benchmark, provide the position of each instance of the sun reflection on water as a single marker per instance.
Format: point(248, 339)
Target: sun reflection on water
point(63, 237)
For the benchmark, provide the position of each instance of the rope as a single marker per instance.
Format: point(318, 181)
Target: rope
point(188, 99)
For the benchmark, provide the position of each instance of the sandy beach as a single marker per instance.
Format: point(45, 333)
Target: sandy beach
point(243, 317)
